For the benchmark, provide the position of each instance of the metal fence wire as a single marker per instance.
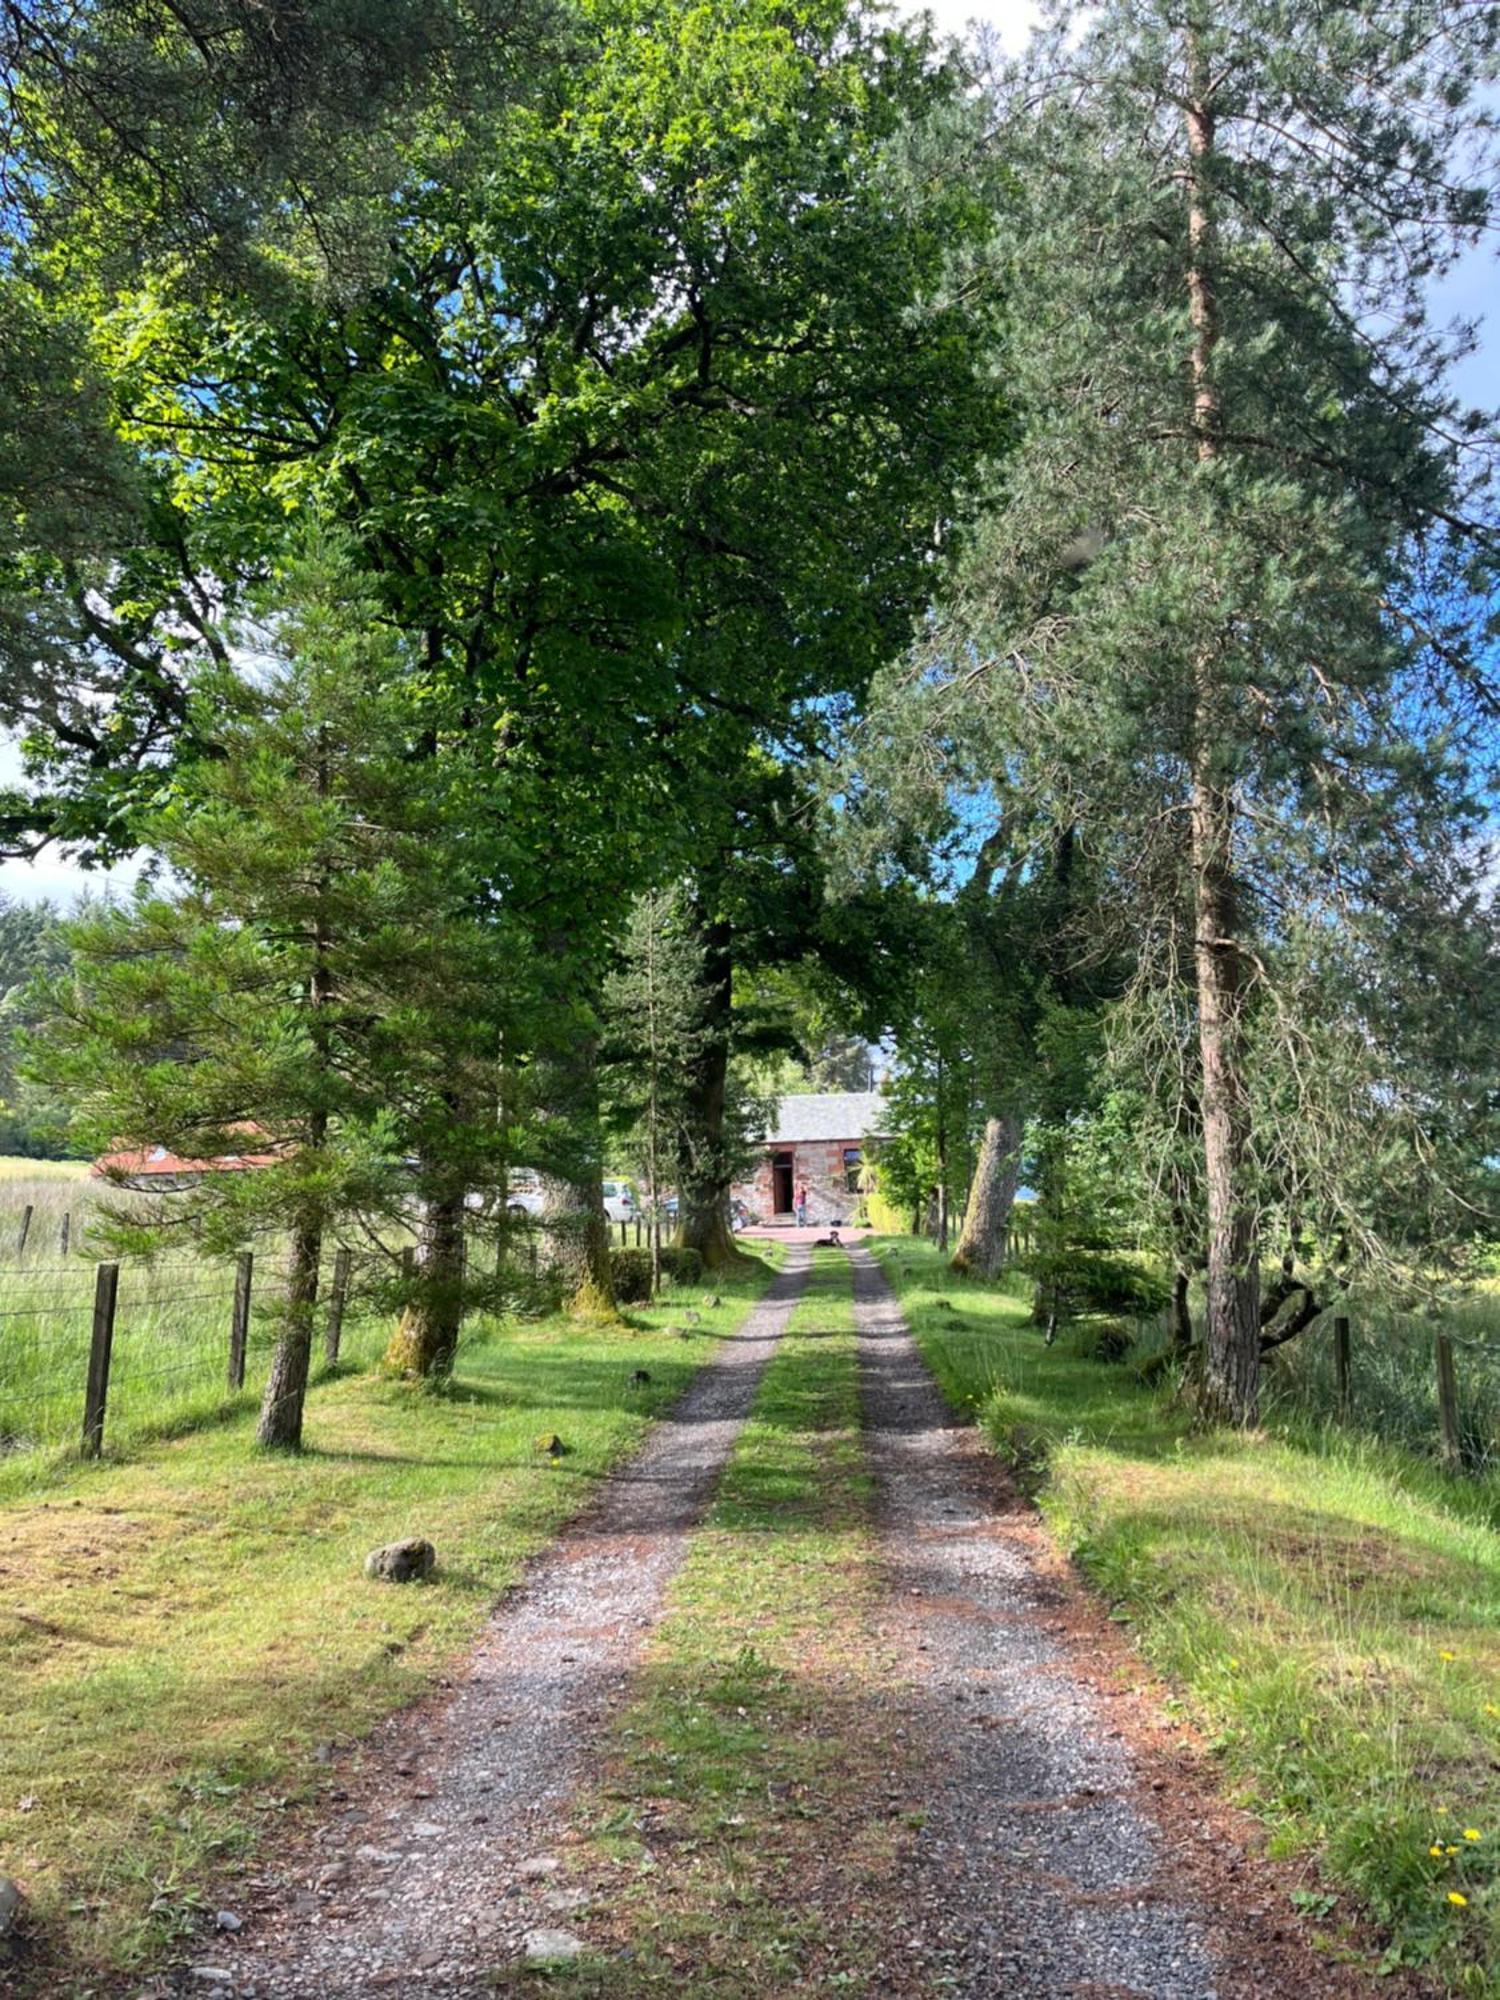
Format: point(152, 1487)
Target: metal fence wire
point(124, 1350)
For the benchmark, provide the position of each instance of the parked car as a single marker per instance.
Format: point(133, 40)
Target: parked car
point(523, 1196)
point(619, 1201)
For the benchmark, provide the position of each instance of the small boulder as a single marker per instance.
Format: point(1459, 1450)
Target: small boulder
point(547, 1946)
point(550, 1445)
point(411, 1561)
point(12, 1911)
point(226, 1920)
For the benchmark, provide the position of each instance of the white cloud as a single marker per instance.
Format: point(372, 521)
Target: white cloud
point(1013, 19)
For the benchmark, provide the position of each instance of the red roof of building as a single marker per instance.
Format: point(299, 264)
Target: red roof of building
point(154, 1162)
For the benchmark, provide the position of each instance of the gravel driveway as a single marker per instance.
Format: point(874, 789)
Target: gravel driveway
point(440, 1870)
point(1038, 1872)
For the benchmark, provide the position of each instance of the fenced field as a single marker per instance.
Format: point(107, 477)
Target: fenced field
point(1393, 1387)
point(189, 1335)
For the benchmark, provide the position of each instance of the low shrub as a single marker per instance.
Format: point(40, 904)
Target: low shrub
point(631, 1270)
point(683, 1266)
point(1097, 1281)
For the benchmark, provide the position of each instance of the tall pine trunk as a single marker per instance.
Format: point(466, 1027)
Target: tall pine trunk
point(1231, 1374)
point(286, 1386)
point(425, 1342)
point(985, 1237)
point(281, 1407)
point(703, 1178)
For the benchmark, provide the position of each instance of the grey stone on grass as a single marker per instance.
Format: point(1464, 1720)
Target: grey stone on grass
point(12, 1909)
point(410, 1561)
point(547, 1945)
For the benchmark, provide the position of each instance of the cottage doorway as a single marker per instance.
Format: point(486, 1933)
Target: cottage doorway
point(781, 1183)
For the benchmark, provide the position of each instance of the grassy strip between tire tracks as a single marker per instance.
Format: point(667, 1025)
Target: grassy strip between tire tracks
point(1329, 1610)
point(732, 1833)
point(182, 1632)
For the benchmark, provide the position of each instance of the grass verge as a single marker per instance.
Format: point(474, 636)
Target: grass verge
point(1330, 1609)
point(733, 1832)
point(179, 1633)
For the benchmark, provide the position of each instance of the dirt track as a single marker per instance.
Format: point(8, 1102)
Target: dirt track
point(1064, 1849)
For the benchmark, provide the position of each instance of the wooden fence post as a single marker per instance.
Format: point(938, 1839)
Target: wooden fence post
point(65, 1232)
point(638, 1232)
point(334, 1331)
point(26, 1214)
point(624, 1234)
point(95, 1396)
point(239, 1318)
point(1447, 1388)
point(1342, 1384)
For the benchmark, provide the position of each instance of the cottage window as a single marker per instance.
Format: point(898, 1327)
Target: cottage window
point(853, 1161)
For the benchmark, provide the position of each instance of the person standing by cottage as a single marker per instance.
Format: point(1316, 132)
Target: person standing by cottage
point(801, 1204)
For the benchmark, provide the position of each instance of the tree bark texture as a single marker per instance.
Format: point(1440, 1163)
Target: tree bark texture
point(704, 1167)
point(425, 1342)
point(985, 1237)
point(1231, 1374)
point(574, 1233)
point(286, 1386)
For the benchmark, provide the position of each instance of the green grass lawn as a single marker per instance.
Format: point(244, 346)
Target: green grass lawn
point(180, 1630)
point(1328, 1608)
point(737, 1827)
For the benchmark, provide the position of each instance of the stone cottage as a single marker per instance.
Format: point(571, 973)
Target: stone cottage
point(821, 1139)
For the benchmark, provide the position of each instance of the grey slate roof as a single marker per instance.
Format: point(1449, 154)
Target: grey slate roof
point(831, 1114)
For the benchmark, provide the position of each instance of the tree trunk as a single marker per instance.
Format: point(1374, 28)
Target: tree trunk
point(1182, 1317)
point(1231, 1375)
point(286, 1387)
point(942, 1165)
point(703, 1167)
point(573, 1230)
point(985, 1236)
point(425, 1342)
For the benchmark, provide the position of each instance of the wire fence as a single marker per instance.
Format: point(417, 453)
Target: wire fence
point(1429, 1386)
point(139, 1347)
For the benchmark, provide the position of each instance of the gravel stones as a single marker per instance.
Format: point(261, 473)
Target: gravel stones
point(520, 1730)
point(1037, 1873)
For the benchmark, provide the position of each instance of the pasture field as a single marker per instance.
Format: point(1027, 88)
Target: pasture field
point(1327, 1606)
point(169, 1368)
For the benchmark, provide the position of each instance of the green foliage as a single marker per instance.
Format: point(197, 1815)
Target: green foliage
point(681, 1264)
point(314, 990)
point(631, 1274)
point(33, 1121)
point(1092, 1281)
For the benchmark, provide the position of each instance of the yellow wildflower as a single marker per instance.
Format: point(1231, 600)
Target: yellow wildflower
point(1471, 1833)
point(1460, 1901)
point(1437, 1851)
point(1447, 1656)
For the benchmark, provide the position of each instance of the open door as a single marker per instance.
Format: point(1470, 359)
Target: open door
point(782, 1189)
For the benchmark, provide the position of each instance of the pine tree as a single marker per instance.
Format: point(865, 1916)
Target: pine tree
point(1224, 612)
point(654, 1007)
point(309, 988)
